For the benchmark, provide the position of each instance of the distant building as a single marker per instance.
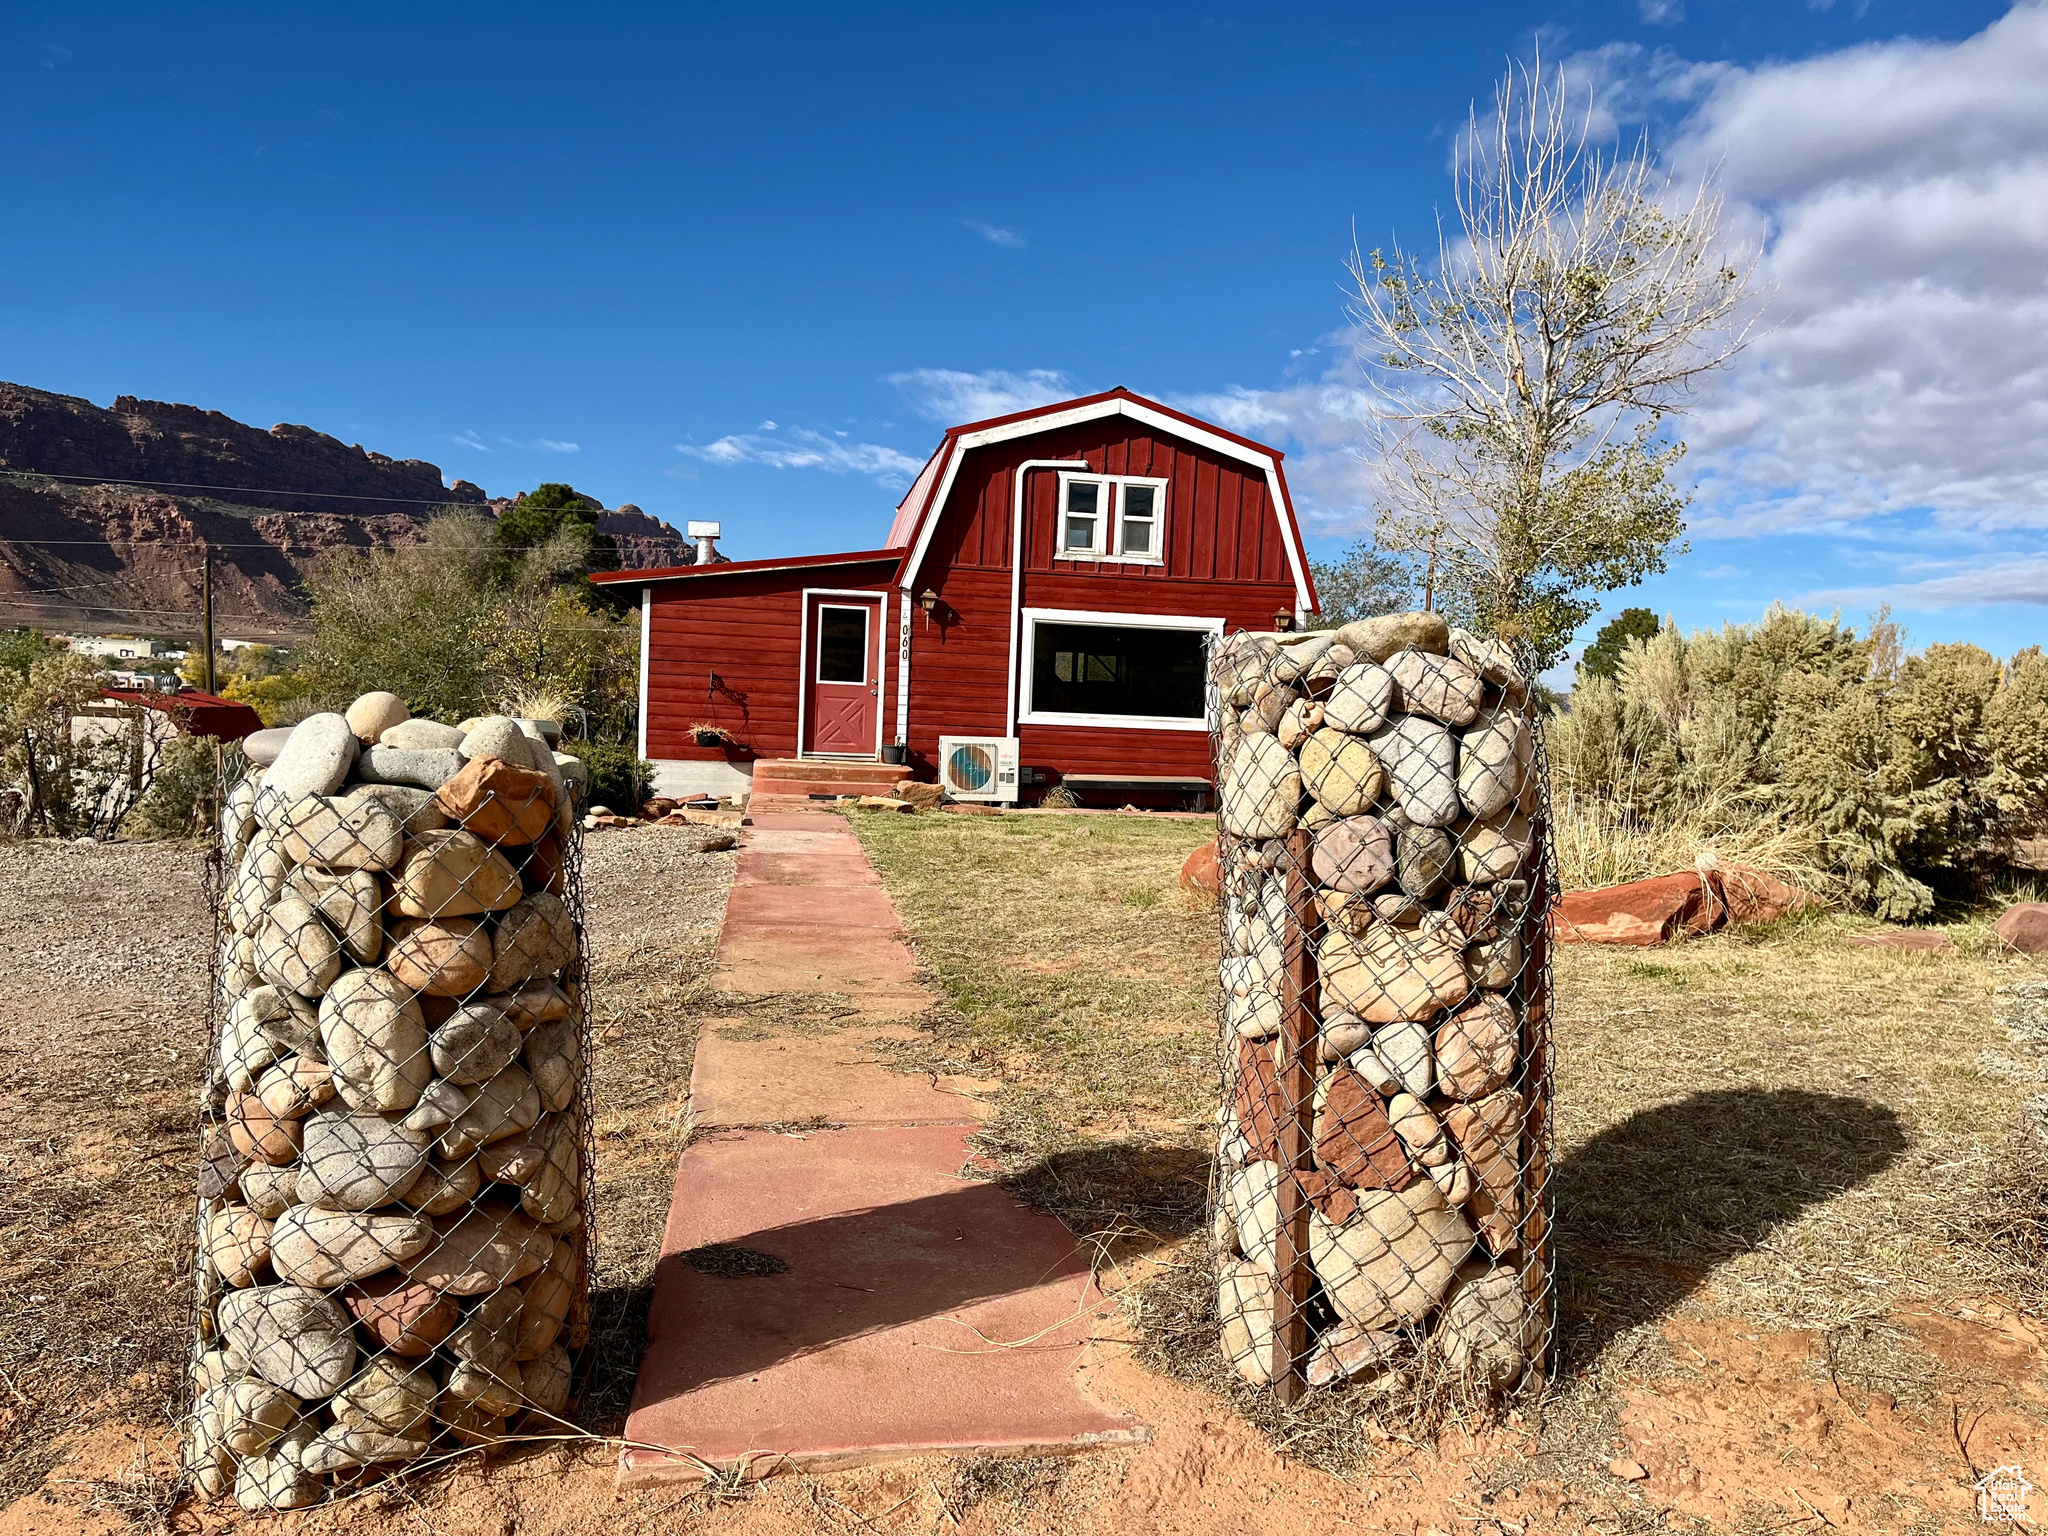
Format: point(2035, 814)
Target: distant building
point(112, 647)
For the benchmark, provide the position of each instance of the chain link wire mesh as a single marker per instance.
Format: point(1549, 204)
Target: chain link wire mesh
point(1381, 1208)
point(396, 1159)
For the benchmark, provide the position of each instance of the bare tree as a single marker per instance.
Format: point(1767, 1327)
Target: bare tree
point(1523, 377)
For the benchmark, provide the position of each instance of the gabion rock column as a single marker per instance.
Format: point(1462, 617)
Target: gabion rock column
point(393, 1255)
point(1381, 1210)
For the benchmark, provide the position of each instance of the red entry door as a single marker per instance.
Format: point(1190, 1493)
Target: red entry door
point(842, 676)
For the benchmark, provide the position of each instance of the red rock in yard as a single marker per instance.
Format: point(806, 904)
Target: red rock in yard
point(1201, 871)
point(499, 801)
point(1640, 912)
point(1628, 1471)
point(2024, 926)
point(1752, 896)
point(972, 808)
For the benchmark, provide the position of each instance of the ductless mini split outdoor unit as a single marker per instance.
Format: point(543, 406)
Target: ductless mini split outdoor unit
point(978, 767)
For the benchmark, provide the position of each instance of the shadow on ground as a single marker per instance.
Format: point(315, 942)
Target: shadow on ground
point(1648, 1207)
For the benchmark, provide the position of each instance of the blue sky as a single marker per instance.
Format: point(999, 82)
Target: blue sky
point(744, 262)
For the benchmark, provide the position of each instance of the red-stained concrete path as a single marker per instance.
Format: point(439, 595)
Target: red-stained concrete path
point(915, 1311)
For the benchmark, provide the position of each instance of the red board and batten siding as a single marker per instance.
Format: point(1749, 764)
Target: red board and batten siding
point(1225, 558)
point(745, 629)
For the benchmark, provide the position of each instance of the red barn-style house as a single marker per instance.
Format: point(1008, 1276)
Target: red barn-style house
point(1068, 640)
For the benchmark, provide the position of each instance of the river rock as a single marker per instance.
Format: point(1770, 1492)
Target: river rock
point(1489, 658)
point(246, 1047)
point(257, 1134)
point(515, 1159)
point(549, 1295)
point(1393, 1260)
point(415, 809)
point(237, 1244)
point(247, 1416)
point(269, 1190)
point(1475, 1048)
point(473, 1044)
point(1494, 849)
point(1303, 716)
point(351, 901)
point(1421, 761)
point(1488, 1327)
point(278, 1478)
point(313, 1246)
point(295, 950)
point(1341, 1034)
point(1495, 965)
point(1264, 789)
point(1296, 654)
point(1405, 1047)
point(1361, 699)
point(259, 876)
point(440, 1102)
point(375, 713)
point(488, 1246)
point(547, 1380)
point(374, 1034)
point(289, 1022)
point(453, 874)
point(388, 1397)
point(291, 1087)
point(421, 768)
point(489, 1332)
point(448, 957)
point(291, 1336)
point(538, 1002)
point(355, 1161)
point(504, 1106)
point(498, 736)
point(502, 803)
point(554, 1193)
point(1378, 638)
point(315, 759)
point(1441, 687)
point(338, 1448)
point(1425, 858)
point(1496, 762)
point(554, 1059)
point(1253, 1194)
point(535, 939)
point(1419, 1130)
point(1355, 854)
point(495, 1393)
point(1319, 679)
point(402, 1315)
point(1340, 771)
point(1244, 1301)
point(262, 747)
point(1488, 1131)
point(417, 735)
point(1454, 1178)
point(446, 1186)
point(1391, 973)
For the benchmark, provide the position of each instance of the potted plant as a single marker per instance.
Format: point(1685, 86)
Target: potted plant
point(707, 735)
point(894, 753)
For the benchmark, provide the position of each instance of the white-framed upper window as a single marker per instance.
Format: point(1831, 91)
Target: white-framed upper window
point(1111, 517)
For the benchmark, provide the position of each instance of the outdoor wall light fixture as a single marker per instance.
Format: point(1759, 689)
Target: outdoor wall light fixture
point(1283, 620)
point(928, 600)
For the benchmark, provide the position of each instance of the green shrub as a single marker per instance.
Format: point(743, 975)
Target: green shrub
point(182, 782)
point(1912, 776)
point(619, 777)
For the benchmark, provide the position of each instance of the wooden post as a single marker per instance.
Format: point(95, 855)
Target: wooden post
point(206, 637)
point(1296, 1068)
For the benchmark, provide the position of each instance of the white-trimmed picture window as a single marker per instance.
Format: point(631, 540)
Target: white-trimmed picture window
point(1122, 670)
point(1111, 517)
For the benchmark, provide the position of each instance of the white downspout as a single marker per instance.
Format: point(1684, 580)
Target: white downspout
point(1017, 570)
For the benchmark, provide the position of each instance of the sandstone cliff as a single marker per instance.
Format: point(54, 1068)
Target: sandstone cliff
point(78, 550)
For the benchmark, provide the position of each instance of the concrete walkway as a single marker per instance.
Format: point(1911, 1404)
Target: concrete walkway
point(831, 1291)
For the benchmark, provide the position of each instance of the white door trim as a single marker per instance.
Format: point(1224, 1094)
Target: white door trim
point(804, 668)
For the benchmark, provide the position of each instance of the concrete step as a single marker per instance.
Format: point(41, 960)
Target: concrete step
point(815, 776)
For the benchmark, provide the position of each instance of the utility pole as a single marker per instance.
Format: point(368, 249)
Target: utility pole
point(206, 597)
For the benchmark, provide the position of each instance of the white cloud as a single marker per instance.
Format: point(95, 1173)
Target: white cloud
point(1901, 191)
point(1722, 573)
point(546, 445)
point(1662, 13)
point(996, 234)
point(2020, 579)
point(801, 448)
point(470, 440)
point(951, 397)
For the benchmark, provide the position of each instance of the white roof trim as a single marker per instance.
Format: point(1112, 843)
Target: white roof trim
point(1116, 406)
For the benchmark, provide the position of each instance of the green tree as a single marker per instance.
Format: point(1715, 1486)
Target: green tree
point(1362, 582)
point(551, 512)
point(1603, 656)
point(1524, 374)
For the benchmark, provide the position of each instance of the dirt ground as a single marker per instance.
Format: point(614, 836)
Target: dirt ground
point(1795, 1231)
